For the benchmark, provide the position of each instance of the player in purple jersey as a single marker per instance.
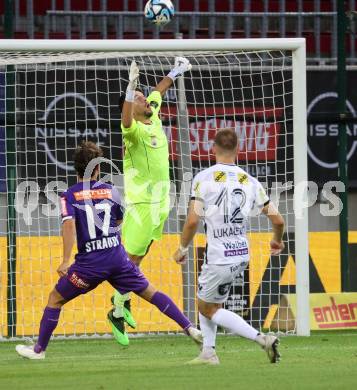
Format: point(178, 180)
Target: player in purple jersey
point(91, 211)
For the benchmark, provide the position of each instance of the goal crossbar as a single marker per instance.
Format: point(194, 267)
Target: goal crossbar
point(79, 45)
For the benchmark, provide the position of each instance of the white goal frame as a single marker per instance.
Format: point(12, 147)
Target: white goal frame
point(295, 45)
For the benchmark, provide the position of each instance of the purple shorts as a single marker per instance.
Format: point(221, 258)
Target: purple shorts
point(88, 271)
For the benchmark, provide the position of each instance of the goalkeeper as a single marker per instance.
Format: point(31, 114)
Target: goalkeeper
point(146, 178)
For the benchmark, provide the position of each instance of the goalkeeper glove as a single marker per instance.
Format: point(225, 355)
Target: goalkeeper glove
point(133, 82)
point(182, 65)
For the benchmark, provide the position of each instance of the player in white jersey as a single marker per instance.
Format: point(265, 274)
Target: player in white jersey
point(225, 196)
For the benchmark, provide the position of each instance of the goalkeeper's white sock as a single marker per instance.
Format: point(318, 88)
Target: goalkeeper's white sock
point(234, 323)
point(209, 331)
point(119, 300)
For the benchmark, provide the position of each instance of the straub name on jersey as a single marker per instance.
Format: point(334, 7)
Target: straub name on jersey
point(103, 243)
point(228, 232)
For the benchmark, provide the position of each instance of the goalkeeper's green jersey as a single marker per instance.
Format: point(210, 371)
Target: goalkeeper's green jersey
point(146, 158)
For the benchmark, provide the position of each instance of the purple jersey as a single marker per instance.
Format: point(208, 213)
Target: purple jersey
point(96, 207)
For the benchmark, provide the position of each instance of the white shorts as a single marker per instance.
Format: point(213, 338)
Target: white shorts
point(215, 281)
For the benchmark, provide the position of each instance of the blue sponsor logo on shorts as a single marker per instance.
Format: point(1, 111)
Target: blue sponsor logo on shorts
point(236, 252)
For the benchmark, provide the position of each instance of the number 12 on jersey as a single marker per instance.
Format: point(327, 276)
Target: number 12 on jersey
point(231, 205)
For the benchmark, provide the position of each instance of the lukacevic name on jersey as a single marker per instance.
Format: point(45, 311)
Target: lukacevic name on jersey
point(103, 243)
point(229, 231)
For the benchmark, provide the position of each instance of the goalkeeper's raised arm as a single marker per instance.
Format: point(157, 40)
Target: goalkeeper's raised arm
point(182, 65)
point(135, 106)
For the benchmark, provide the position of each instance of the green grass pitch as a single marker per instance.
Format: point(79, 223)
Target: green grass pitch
point(322, 361)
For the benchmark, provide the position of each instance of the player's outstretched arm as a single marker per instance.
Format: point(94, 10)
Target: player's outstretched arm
point(189, 231)
point(68, 237)
point(127, 112)
point(276, 244)
point(181, 66)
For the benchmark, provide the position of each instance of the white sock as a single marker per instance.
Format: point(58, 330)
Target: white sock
point(209, 331)
point(119, 300)
point(234, 323)
point(260, 339)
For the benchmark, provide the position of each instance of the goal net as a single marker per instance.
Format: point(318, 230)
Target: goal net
point(51, 101)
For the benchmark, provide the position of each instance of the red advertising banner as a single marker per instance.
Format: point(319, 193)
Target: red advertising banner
point(257, 136)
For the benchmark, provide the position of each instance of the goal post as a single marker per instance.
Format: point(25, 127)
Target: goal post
point(300, 176)
point(67, 90)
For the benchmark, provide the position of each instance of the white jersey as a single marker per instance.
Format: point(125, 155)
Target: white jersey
point(229, 195)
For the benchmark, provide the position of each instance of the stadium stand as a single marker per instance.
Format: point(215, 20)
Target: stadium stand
point(313, 19)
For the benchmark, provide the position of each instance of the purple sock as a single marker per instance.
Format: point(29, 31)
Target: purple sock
point(48, 324)
point(168, 307)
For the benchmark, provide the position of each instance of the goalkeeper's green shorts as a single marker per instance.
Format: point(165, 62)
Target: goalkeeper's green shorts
point(143, 222)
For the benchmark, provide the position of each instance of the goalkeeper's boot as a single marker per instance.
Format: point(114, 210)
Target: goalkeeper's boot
point(271, 348)
point(27, 351)
point(128, 317)
point(196, 335)
point(118, 328)
point(207, 356)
